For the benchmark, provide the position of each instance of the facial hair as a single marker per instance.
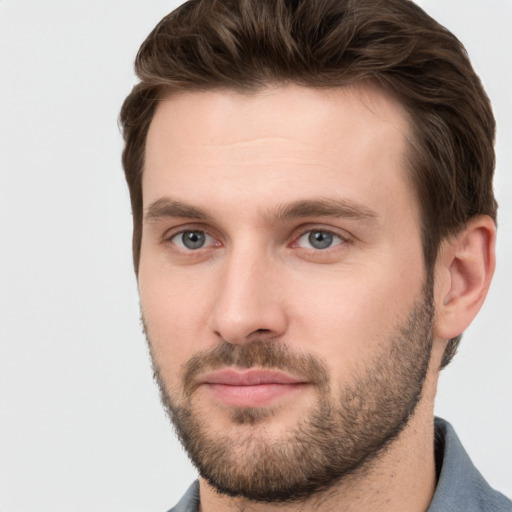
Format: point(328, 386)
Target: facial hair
point(343, 433)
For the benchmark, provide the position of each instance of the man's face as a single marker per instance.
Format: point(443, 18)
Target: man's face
point(282, 282)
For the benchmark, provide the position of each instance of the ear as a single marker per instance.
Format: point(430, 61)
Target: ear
point(464, 269)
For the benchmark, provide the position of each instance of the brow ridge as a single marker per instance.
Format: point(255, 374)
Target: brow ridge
point(166, 207)
point(323, 207)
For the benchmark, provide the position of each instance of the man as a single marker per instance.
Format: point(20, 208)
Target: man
point(314, 228)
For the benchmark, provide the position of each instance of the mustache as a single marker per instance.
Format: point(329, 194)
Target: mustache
point(261, 354)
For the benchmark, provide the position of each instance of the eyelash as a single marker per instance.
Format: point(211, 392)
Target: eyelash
point(171, 235)
point(332, 236)
point(343, 238)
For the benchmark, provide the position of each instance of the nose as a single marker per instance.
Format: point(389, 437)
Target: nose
point(250, 300)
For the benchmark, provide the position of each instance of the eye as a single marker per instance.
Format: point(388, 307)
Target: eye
point(319, 239)
point(191, 240)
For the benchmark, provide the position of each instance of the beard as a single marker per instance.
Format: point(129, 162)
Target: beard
point(342, 434)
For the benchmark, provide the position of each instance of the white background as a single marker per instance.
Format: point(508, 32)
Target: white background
point(81, 428)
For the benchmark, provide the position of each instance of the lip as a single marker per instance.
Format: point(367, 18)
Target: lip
point(251, 388)
point(253, 377)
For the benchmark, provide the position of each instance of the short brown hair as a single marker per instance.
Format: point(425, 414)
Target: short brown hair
point(246, 45)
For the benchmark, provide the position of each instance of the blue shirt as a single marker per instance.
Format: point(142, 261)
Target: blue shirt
point(460, 488)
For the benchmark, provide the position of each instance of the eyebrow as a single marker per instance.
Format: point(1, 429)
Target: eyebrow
point(324, 207)
point(166, 207)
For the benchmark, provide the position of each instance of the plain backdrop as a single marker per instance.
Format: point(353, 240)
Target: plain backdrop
point(81, 427)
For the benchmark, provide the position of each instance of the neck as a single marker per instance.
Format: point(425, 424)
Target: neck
point(401, 478)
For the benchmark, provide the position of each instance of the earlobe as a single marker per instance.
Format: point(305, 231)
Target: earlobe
point(464, 269)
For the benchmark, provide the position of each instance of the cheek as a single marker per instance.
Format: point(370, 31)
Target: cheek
point(174, 317)
point(346, 318)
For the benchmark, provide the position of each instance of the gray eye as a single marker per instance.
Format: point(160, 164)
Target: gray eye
point(192, 239)
point(320, 239)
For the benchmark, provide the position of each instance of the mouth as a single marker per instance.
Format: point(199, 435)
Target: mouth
point(251, 388)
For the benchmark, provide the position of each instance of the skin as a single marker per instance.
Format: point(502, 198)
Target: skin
point(242, 159)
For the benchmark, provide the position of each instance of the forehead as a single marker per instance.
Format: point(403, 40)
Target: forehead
point(278, 142)
point(225, 115)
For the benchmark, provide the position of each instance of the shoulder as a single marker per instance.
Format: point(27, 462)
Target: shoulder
point(461, 487)
point(190, 500)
